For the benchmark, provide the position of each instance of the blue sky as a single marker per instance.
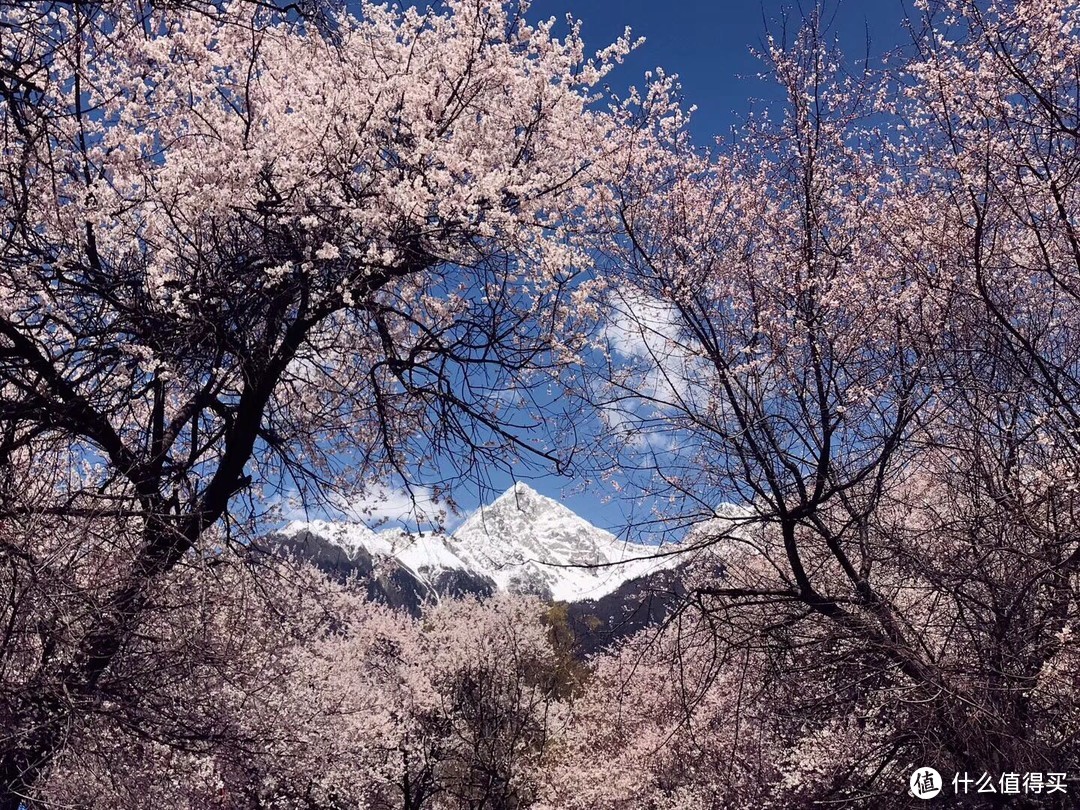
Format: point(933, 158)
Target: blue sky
point(709, 43)
point(709, 46)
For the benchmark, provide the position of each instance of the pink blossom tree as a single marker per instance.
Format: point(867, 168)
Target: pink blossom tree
point(246, 250)
point(376, 709)
point(860, 323)
point(704, 716)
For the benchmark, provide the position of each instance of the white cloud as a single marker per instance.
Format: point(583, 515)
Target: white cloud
point(378, 507)
point(638, 433)
point(659, 364)
point(641, 326)
point(380, 504)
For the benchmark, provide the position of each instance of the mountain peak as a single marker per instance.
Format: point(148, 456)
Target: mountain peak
point(523, 498)
point(521, 542)
point(534, 544)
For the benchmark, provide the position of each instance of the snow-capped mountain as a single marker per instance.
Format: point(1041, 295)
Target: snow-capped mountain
point(528, 543)
point(420, 553)
point(523, 542)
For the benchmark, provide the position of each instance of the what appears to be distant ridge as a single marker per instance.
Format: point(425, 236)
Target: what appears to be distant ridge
point(523, 543)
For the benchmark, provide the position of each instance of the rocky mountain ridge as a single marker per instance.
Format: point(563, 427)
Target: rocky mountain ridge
point(523, 542)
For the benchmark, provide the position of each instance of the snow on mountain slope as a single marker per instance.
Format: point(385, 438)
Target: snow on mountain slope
point(523, 542)
point(424, 554)
point(529, 543)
